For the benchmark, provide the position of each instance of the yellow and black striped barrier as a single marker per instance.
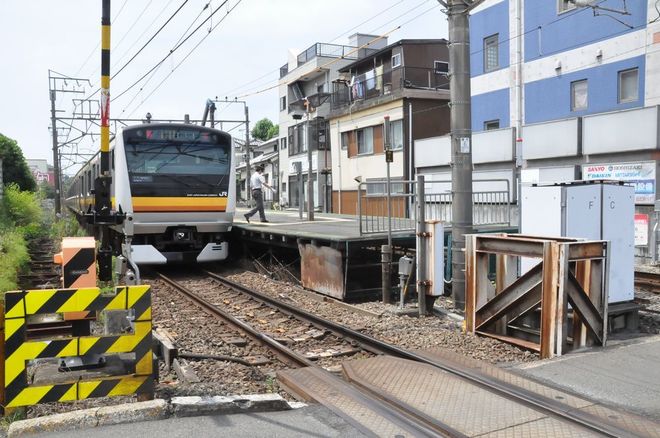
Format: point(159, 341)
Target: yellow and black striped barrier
point(18, 350)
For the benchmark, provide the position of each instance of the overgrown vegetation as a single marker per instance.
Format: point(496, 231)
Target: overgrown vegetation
point(20, 220)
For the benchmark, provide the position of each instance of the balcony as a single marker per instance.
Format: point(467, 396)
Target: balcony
point(370, 86)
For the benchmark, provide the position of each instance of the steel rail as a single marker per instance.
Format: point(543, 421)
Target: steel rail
point(650, 280)
point(520, 395)
point(420, 428)
point(283, 353)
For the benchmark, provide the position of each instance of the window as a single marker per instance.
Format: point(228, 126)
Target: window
point(628, 85)
point(564, 5)
point(378, 186)
point(282, 103)
point(491, 53)
point(320, 88)
point(492, 124)
point(396, 60)
point(579, 95)
point(440, 67)
point(365, 141)
point(283, 143)
point(344, 140)
point(396, 135)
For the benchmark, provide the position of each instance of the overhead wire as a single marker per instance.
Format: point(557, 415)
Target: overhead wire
point(171, 52)
point(153, 74)
point(241, 88)
point(189, 54)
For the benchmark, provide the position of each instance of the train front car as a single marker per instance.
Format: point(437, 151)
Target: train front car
point(177, 182)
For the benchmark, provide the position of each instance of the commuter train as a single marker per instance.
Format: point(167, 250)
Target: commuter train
point(176, 182)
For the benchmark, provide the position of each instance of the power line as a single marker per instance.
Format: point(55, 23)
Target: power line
point(96, 48)
point(146, 29)
point(189, 53)
point(153, 74)
point(151, 39)
point(171, 51)
point(241, 88)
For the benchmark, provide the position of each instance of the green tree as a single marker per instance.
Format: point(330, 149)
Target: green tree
point(14, 167)
point(264, 130)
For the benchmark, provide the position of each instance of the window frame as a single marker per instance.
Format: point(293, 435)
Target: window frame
point(491, 122)
point(586, 105)
point(396, 64)
point(564, 6)
point(620, 88)
point(437, 71)
point(488, 42)
point(363, 132)
point(393, 124)
point(283, 103)
point(344, 140)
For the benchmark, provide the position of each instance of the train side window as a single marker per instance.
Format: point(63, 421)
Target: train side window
point(112, 159)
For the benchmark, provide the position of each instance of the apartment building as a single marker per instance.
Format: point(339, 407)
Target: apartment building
point(405, 81)
point(307, 77)
point(560, 93)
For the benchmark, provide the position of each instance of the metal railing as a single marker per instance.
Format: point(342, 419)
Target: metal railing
point(489, 207)
point(328, 51)
point(365, 87)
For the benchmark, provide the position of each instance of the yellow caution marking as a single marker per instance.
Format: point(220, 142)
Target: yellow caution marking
point(34, 300)
point(80, 300)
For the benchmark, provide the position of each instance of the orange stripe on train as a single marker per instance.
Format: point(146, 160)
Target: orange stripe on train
point(162, 204)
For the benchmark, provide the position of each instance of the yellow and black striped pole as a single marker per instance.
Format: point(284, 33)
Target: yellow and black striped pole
point(105, 89)
point(104, 215)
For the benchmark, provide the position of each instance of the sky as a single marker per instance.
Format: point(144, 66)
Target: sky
point(238, 58)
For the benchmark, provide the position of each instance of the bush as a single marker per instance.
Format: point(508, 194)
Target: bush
point(13, 258)
point(20, 220)
point(22, 207)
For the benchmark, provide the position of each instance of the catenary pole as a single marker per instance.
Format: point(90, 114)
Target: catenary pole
point(461, 141)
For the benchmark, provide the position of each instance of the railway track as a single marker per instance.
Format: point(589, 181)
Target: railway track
point(649, 281)
point(414, 422)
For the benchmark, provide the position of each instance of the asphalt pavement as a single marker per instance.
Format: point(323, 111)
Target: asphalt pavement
point(313, 421)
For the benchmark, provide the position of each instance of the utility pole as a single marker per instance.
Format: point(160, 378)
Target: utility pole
point(458, 14)
point(248, 192)
point(56, 158)
point(53, 83)
point(310, 174)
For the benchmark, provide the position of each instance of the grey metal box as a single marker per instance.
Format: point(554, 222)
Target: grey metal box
point(596, 211)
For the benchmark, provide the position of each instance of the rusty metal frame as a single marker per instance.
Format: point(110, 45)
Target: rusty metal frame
point(571, 273)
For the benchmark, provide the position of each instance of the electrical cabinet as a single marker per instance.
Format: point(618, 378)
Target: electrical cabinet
point(594, 210)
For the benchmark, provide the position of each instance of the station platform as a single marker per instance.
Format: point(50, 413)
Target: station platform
point(335, 258)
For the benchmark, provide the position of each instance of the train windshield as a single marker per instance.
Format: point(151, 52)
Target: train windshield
point(147, 158)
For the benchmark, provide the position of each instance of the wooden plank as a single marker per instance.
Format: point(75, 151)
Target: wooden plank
point(515, 341)
point(561, 315)
point(587, 250)
point(582, 274)
point(167, 348)
point(507, 273)
point(517, 247)
point(470, 282)
point(508, 298)
point(596, 291)
point(549, 298)
point(588, 313)
point(184, 372)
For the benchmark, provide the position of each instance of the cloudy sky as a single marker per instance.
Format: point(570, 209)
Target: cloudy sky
point(239, 57)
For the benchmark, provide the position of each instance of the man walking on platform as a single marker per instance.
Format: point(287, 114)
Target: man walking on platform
point(256, 183)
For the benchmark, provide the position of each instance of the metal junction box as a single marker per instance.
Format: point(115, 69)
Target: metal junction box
point(596, 210)
point(435, 257)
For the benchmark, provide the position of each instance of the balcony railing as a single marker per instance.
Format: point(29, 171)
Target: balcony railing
point(369, 86)
point(328, 51)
